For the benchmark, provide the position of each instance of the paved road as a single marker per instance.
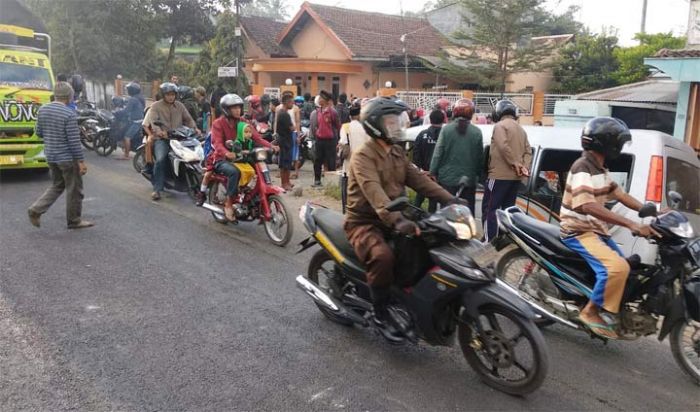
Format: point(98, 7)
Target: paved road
point(158, 308)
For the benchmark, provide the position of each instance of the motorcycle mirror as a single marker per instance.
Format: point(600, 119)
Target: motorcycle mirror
point(463, 181)
point(647, 210)
point(229, 144)
point(397, 204)
point(674, 199)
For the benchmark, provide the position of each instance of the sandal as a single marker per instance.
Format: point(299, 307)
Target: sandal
point(230, 214)
point(601, 330)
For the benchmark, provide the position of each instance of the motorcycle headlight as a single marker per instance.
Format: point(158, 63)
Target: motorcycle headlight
point(465, 231)
point(260, 155)
point(683, 230)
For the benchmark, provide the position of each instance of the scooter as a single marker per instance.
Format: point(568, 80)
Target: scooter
point(185, 157)
point(442, 288)
point(556, 279)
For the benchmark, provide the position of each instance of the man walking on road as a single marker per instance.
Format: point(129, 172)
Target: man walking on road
point(57, 125)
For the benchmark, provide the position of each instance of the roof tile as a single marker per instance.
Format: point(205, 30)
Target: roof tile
point(263, 31)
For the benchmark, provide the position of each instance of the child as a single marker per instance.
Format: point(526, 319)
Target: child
point(244, 142)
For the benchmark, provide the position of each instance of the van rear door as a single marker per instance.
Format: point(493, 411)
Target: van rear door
point(682, 175)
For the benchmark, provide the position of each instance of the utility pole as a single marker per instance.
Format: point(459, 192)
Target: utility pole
point(238, 46)
point(405, 59)
point(644, 16)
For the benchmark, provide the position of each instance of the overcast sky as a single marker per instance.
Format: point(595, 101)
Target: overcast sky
point(624, 15)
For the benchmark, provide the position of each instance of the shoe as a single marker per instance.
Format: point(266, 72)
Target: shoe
point(155, 196)
point(34, 218)
point(81, 225)
point(317, 183)
point(199, 198)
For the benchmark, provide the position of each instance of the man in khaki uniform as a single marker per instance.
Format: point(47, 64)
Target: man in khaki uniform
point(379, 172)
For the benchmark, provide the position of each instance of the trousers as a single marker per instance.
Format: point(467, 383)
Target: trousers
point(65, 177)
point(498, 194)
point(374, 252)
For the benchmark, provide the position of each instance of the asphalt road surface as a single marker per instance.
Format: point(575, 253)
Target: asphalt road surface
point(158, 308)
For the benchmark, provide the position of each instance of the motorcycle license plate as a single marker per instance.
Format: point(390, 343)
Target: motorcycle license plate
point(694, 250)
point(485, 255)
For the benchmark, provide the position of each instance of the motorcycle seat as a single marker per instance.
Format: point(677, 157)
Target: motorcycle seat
point(331, 223)
point(545, 233)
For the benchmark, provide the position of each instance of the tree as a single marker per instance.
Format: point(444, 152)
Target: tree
point(586, 64)
point(184, 19)
point(631, 59)
point(556, 24)
point(273, 9)
point(101, 40)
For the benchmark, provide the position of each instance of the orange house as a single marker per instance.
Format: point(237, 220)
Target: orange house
point(341, 50)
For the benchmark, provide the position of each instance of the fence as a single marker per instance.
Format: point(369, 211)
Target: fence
point(485, 102)
point(551, 99)
point(427, 99)
point(100, 93)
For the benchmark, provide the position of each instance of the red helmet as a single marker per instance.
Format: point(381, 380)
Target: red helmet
point(443, 103)
point(253, 100)
point(463, 108)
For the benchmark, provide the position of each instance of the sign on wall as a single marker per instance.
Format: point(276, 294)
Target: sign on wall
point(228, 72)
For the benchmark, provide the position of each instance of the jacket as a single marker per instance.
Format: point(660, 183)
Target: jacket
point(458, 155)
point(225, 129)
point(425, 147)
point(509, 146)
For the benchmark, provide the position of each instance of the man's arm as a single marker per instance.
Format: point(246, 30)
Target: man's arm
point(73, 137)
point(418, 181)
point(367, 177)
point(527, 156)
point(479, 155)
point(218, 142)
point(626, 199)
point(187, 119)
point(501, 140)
point(599, 211)
point(151, 129)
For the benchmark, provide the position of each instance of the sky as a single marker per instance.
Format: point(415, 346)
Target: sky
point(623, 15)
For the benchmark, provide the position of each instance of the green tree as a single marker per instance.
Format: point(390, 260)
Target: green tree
point(586, 64)
point(631, 59)
point(556, 24)
point(274, 9)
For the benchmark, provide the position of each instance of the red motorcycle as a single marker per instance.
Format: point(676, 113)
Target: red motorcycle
point(257, 197)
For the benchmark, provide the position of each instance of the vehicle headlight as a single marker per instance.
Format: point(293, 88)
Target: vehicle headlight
point(465, 231)
point(684, 230)
point(260, 155)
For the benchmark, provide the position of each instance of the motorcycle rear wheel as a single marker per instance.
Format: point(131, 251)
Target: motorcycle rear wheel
point(494, 351)
point(139, 161)
point(685, 346)
point(510, 268)
point(280, 228)
point(217, 199)
point(322, 264)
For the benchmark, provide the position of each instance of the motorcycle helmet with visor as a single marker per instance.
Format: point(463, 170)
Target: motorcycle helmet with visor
point(605, 135)
point(380, 117)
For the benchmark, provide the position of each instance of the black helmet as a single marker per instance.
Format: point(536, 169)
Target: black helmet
point(117, 101)
point(228, 101)
point(167, 87)
point(133, 88)
point(372, 113)
point(76, 82)
point(185, 93)
point(265, 99)
point(504, 108)
point(605, 135)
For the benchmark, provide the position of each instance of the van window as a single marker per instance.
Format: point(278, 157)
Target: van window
point(684, 178)
point(553, 168)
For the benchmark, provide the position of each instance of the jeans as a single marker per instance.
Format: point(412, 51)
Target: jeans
point(232, 173)
point(65, 177)
point(161, 148)
point(498, 194)
point(325, 154)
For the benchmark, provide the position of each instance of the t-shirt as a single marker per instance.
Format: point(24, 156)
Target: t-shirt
point(587, 182)
point(353, 134)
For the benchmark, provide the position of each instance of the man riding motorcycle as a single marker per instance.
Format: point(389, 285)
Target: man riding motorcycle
point(223, 129)
point(378, 173)
point(584, 219)
point(172, 114)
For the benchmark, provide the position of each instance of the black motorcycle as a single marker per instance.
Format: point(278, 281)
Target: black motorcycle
point(559, 282)
point(184, 173)
point(92, 123)
point(441, 289)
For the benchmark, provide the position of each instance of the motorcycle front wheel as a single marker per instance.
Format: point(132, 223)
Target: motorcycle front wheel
point(86, 140)
point(279, 228)
point(103, 145)
point(685, 346)
point(507, 351)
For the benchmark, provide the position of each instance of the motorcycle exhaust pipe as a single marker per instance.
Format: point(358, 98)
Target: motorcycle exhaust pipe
point(213, 208)
point(328, 301)
point(537, 308)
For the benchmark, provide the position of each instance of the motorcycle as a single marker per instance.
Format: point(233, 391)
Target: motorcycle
point(442, 287)
point(186, 154)
point(556, 279)
point(258, 198)
point(306, 147)
point(110, 137)
point(92, 123)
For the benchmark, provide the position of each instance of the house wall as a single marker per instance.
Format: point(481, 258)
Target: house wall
point(519, 82)
point(313, 43)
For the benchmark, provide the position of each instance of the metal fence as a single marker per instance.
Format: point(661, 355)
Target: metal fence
point(551, 99)
point(486, 102)
point(100, 93)
point(427, 99)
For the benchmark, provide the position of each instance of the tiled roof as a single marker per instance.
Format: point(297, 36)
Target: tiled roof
point(377, 35)
point(263, 32)
point(650, 91)
point(678, 53)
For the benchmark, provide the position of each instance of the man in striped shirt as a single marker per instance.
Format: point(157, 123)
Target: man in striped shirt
point(585, 219)
point(57, 125)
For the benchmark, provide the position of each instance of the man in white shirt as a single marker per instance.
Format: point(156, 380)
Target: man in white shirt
point(353, 134)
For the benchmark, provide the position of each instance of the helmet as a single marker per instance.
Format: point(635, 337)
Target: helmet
point(133, 88)
point(229, 100)
point(372, 117)
point(605, 135)
point(504, 108)
point(76, 82)
point(463, 108)
point(443, 103)
point(117, 101)
point(185, 92)
point(299, 100)
point(265, 99)
point(253, 100)
point(167, 87)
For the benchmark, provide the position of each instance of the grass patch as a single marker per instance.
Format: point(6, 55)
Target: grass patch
point(332, 191)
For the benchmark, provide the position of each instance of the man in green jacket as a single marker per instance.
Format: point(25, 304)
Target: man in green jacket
point(459, 152)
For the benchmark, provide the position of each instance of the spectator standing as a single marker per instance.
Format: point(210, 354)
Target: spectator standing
point(423, 150)
point(328, 127)
point(57, 125)
point(203, 119)
point(342, 108)
point(286, 133)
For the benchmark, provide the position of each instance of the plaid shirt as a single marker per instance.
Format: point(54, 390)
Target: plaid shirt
point(57, 125)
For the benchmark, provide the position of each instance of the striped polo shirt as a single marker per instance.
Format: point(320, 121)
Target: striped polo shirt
point(587, 182)
point(57, 124)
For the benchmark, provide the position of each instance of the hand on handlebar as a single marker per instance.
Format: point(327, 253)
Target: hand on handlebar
point(644, 231)
point(406, 227)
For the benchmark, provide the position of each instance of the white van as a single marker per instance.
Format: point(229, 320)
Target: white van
point(651, 166)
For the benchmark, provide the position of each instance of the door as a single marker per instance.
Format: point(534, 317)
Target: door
point(692, 128)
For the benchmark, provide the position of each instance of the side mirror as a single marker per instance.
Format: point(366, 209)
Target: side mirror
point(229, 144)
point(674, 199)
point(397, 204)
point(647, 210)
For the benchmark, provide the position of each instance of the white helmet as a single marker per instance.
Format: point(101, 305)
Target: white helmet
point(228, 101)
